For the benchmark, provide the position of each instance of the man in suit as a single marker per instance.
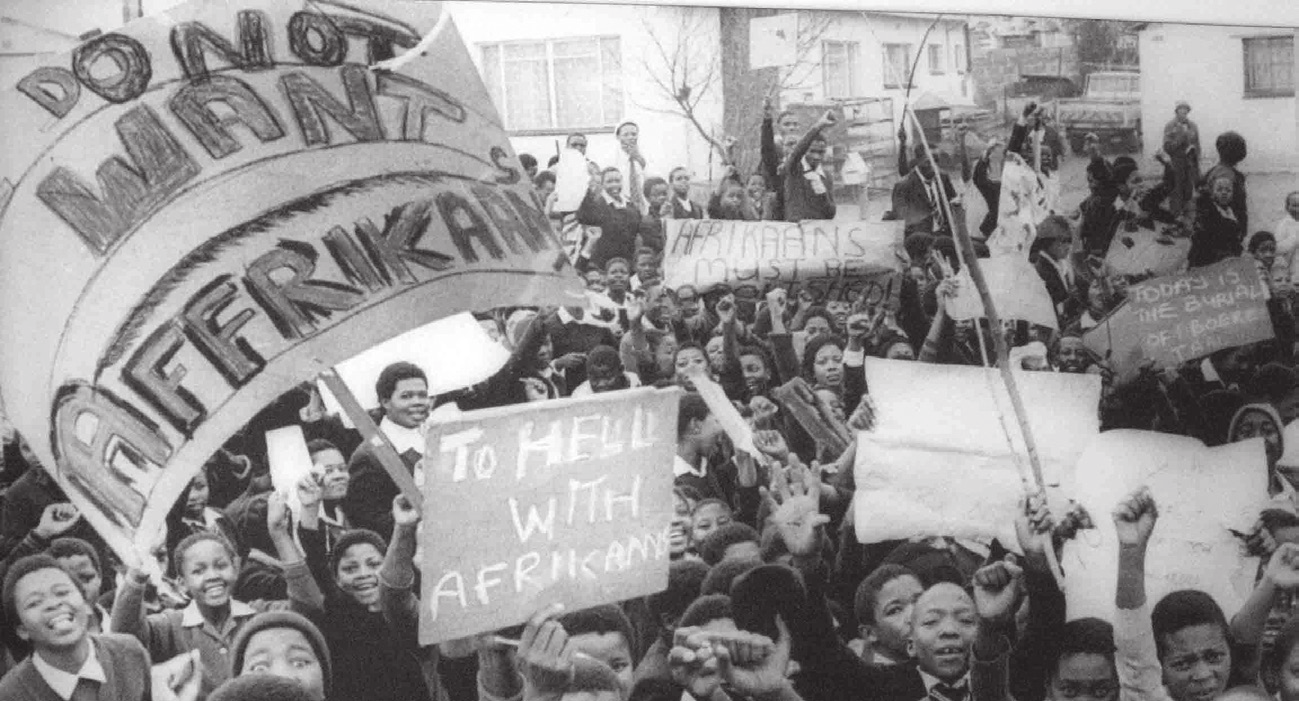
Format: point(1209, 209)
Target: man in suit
point(916, 199)
point(1056, 268)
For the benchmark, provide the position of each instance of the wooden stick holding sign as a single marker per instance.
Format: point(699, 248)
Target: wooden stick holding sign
point(370, 433)
point(966, 248)
point(813, 415)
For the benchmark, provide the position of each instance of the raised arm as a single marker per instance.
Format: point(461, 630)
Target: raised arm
point(397, 576)
point(304, 594)
point(1136, 656)
point(796, 154)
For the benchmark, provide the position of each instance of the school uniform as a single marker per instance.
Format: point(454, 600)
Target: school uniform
point(620, 222)
point(176, 631)
point(1219, 234)
point(584, 389)
point(117, 669)
point(686, 209)
point(371, 490)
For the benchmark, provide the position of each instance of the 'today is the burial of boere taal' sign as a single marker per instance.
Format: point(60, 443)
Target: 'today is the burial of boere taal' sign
point(206, 207)
point(567, 501)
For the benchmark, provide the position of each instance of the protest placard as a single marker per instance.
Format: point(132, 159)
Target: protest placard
point(455, 352)
point(229, 200)
point(947, 457)
point(1146, 252)
point(567, 501)
point(1202, 494)
point(1023, 205)
point(289, 461)
point(834, 259)
point(1178, 318)
point(1018, 292)
point(773, 41)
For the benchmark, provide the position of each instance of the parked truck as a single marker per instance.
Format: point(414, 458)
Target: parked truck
point(1110, 108)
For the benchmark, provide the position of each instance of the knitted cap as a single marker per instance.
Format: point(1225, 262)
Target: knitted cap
point(282, 619)
point(260, 687)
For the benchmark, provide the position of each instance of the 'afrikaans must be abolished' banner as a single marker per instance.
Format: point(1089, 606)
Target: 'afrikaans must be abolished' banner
point(207, 207)
point(834, 259)
point(567, 501)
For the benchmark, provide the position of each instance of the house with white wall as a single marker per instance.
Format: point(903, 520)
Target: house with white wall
point(555, 69)
point(1235, 78)
point(870, 54)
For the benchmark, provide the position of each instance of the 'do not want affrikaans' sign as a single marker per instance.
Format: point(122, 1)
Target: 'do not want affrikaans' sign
point(567, 501)
point(206, 207)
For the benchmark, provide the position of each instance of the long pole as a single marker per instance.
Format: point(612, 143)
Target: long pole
point(965, 246)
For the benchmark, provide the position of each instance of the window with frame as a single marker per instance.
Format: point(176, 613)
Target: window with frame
point(897, 64)
point(1269, 66)
point(557, 84)
point(936, 64)
point(958, 57)
point(839, 61)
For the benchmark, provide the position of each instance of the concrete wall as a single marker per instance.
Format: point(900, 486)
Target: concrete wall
point(666, 140)
point(1204, 65)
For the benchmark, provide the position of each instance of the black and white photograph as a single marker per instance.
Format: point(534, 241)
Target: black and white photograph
point(465, 350)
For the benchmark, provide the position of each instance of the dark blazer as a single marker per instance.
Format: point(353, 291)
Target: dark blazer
point(801, 201)
point(1064, 298)
point(370, 492)
point(619, 227)
point(911, 203)
point(679, 212)
point(1216, 237)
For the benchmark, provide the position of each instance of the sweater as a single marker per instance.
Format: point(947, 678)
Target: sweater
point(126, 669)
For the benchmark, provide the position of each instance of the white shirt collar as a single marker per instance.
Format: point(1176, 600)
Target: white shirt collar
point(681, 468)
point(63, 683)
point(619, 202)
point(685, 203)
point(191, 617)
point(402, 438)
point(931, 681)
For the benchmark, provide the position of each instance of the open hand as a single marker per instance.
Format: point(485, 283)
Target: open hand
point(771, 443)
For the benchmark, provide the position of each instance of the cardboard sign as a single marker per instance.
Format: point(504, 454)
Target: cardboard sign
point(773, 41)
point(1023, 205)
point(947, 456)
point(1183, 317)
point(454, 352)
point(1018, 292)
point(1202, 494)
point(563, 501)
point(1146, 252)
point(289, 461)
point(839, 260)
point(229, 200)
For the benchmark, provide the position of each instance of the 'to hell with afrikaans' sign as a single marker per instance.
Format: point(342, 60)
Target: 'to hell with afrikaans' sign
point(209, 206)
point(568, 501)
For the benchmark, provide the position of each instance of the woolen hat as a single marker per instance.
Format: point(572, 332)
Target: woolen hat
point(282, 619)
point(260, 687)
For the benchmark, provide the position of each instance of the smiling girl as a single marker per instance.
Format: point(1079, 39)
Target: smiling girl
point(208, 567)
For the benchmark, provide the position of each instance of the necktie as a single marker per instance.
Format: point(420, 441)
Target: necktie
point(950, 692)
point(633, 183)
point(86, 690)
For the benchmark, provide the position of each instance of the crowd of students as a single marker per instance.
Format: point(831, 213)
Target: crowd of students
point(770, 594)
